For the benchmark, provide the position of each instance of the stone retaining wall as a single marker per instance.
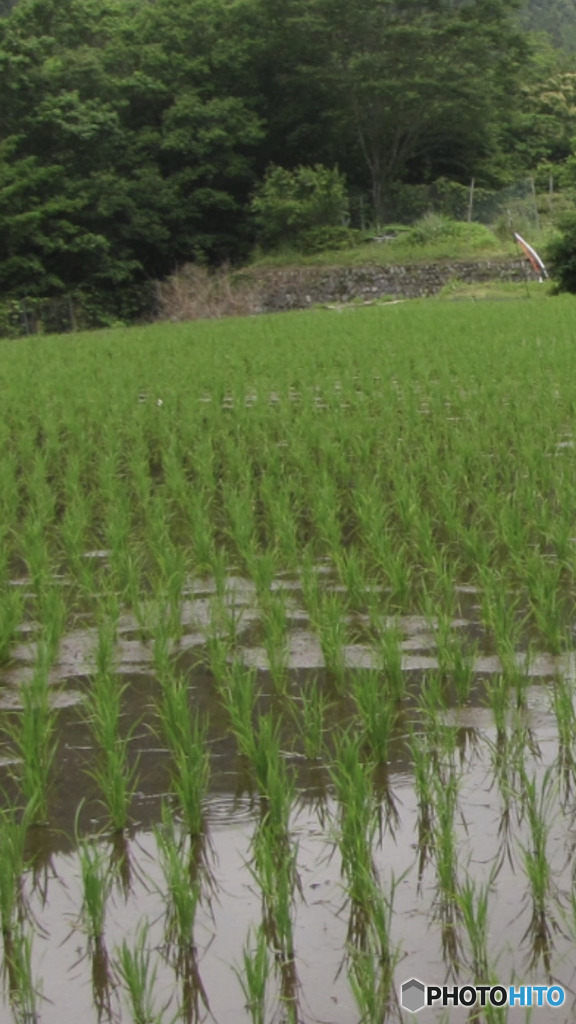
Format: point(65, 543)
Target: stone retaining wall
point(301, 287)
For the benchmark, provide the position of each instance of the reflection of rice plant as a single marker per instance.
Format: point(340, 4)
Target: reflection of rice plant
point(24, 996)
point(12, 863)
point(273, 866)
point(424, 771)
point(96, 885)
point(373, 962)
point(562, 700)
point(472, 902)
point(182, 891)
point(445, 843)
point(536, 804)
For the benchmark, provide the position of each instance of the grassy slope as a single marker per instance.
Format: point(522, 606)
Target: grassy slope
point(432, 240)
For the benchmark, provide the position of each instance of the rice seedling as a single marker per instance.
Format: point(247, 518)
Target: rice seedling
point(34, 738)
point(11, 611)
point(377, 712)
point(254, 975)
point(389, 655)
point(357, 819)
point(13, 828)
point(328, 621)
point(275, 626)
point(138, 973)
point(238, 695)
point(472, 900)
point(275, 782)
point(262, 570)
point(311, 718)
point(114, 773)
point(352, 572)
point(185, 734)
point(182, 892)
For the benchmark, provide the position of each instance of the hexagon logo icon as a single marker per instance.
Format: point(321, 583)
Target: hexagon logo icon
point(413, 995)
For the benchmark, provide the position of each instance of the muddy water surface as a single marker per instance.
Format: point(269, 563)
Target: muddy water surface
point(429, 939)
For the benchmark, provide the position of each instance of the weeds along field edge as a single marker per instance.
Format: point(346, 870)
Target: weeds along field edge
point(287, 643)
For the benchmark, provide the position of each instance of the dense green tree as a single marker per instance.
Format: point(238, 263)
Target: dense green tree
point(557, 18)
point(124, 152)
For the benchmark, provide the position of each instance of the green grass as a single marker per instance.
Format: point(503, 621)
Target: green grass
point(465, 242)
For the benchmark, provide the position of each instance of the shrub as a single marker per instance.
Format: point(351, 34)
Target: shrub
point(561, 255)
point(328, 238)
point(194, 292)
point(434, 227)
point(290, 203)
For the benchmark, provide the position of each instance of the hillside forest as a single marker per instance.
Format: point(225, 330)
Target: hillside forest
point(138, 135)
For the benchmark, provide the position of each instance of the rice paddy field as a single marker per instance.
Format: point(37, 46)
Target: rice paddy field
point(287, 666)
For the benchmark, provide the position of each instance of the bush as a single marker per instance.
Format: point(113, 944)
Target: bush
point(561, 255)
point(291, 203)
point(329, 238)
point(195, 292)
point(434, 227)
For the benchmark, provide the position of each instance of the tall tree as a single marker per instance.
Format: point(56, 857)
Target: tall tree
point(406, 80)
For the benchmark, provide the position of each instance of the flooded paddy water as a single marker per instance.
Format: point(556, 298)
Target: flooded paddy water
point(525, 938)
